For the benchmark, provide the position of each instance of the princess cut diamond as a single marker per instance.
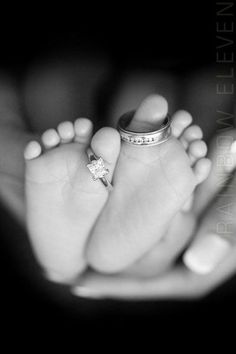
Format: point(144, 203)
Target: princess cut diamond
point(97, 168)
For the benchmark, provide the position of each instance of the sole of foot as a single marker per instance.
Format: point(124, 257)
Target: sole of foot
point(63, 201)
point(182, 227)
point(151, 185)
point(165, 253)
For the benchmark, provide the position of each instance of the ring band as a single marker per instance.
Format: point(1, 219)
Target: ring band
point(98, 169)
point(143, 138)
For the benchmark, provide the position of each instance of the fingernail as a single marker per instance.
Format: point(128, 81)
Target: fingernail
point(230, 164)
point(205, 255)
point(233, 148)
point(82, 291)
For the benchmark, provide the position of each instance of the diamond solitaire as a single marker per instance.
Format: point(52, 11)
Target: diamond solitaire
point(97, 168)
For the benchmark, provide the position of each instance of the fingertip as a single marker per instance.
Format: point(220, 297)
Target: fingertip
point(205, 254)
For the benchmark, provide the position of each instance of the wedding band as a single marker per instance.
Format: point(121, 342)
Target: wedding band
point(143, 138)
point(98, 169)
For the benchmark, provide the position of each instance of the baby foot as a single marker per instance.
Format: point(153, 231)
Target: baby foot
point(151, 185)
point(181, 228)
point(165, 252)
point(63, 201)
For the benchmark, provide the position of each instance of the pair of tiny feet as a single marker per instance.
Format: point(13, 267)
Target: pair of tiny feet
point(75, 222)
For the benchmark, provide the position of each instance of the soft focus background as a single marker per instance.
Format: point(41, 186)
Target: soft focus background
point(177, 38)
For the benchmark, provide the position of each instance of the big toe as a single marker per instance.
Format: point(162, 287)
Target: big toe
point(150, 114)
point(106, 144)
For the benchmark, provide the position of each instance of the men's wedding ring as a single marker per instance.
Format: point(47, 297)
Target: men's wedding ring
point(151, 138)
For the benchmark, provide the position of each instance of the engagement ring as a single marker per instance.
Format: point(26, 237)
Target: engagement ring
point(98, 169)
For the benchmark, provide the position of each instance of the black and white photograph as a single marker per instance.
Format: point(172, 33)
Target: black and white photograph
point(118, 168)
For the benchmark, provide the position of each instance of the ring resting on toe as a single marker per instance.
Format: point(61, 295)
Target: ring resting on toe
point(98, 169)
point(151, 138)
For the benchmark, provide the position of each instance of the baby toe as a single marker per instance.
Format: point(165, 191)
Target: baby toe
point(197, 149)
point(202, 169)
point(66, 132)
point(106, 144)
point(194, 132)
point(83, 128)
point(32, 151)
point(150, 114)
point(50, 138)
point(180, 121)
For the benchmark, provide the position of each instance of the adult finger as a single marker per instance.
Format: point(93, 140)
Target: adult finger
point(216, 236)
point(178, 283)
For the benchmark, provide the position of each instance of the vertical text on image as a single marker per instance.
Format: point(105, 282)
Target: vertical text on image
point(225, 90)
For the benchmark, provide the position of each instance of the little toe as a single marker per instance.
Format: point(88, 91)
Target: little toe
point(197, 149)
point(192, 133)
point(180, 121)
point(66, 131)
point(83, 128)
point(106, 144)
point(202, 169)
point(50, 138)
point(32, 151)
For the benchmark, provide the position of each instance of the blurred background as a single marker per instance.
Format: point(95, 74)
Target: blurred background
point(171, 37)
